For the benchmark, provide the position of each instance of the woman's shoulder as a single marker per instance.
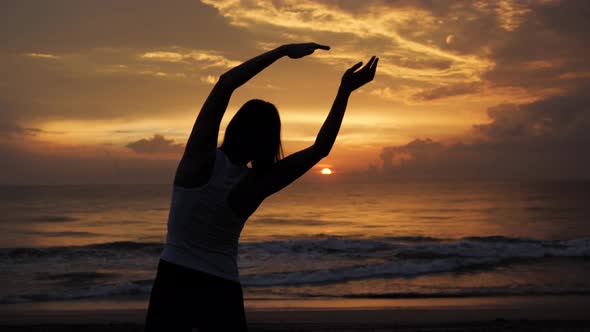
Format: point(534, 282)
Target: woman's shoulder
point(194, 173)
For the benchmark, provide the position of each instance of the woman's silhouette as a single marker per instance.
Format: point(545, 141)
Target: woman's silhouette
point(197, 282)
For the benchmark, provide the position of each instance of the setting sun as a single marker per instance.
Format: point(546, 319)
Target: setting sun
point(326, 171)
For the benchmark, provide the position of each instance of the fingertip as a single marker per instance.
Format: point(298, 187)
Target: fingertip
point(355, 67)
point(321, 47)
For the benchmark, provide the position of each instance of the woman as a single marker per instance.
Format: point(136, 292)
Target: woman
point(197, 283)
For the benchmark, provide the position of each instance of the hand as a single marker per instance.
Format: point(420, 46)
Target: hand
point(296, 51)
point(352, 80)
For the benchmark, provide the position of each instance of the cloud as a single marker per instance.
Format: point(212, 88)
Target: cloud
point(379, 26)
point(204, 58)
point(575, 75)
point(10, 124)
point(209, 79)
point(508, 43)
point(162, 74)
point(163, 56)
point(43, 56)
point(419, 149)
point(9, 129)
point(45, 164)
point(547, 46)
point(556, 118)
point(156, 144)
point(510, 13)
point(448, 91)
point(70, 25)
point(98, 83)
point(546, 139)
point(90, 62)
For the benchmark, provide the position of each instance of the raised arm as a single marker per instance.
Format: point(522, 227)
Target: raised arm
point(257, 187)
point(199, 154)
point(351, 81)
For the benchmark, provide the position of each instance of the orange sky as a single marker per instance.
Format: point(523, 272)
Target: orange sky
point(102, 91)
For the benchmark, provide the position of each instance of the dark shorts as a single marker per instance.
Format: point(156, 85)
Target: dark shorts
point(184, 298)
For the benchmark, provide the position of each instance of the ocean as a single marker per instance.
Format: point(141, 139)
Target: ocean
point(341, 241)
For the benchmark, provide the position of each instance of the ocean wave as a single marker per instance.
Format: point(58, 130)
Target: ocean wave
point(461, 293)
point(101, 250)
point(294, 262)
point(401, 257)
point(54, 218)
point(142, 287)
point(398, 248)
point(63, 234)
point(482, 293)
point(76, 277)
point(393, 268)
point(284, 221)
point(426, 247)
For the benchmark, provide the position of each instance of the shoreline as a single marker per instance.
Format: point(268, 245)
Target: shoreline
point(550, 313)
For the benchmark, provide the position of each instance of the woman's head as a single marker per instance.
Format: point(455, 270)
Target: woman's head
point(255, 133)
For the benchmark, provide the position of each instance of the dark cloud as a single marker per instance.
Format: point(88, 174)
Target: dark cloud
point(550, 42)
point(537, 46)
point(88, 65)
point(547, 139)
point(70, 25)
point(13, 129)
point(156, 144)
point(21, 166)
point(545, 53)
point(63, 90)
point(9, 124)
point(556, 118)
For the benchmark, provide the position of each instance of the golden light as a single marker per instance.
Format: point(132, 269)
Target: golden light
point(326, 171)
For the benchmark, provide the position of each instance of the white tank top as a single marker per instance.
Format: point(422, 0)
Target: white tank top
point(203, 231)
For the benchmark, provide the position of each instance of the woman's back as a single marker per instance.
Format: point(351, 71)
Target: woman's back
point(203, 231)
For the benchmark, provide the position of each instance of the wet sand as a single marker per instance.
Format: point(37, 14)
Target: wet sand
point(538, 313)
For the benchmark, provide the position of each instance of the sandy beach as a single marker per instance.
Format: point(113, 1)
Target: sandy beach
point(541, 313)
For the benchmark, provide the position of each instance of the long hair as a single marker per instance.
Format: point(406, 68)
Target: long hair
point(255, 130)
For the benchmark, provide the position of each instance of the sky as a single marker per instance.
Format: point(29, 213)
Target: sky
point(107, 91)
